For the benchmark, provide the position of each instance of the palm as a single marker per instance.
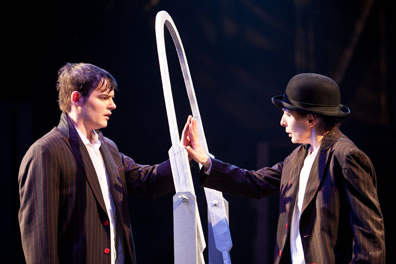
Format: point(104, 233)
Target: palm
point(191, 141)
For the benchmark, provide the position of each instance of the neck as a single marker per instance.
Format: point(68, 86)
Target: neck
point(315, 140)
point(79, 123)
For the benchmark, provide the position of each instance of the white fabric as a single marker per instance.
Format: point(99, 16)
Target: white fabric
point(93, 149)
point(217, 215)
point(208, 170)
point(296, 248)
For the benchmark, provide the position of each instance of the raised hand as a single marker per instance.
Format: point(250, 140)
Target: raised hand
point(192, 143)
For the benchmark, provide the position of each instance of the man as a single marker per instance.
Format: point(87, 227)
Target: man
point(329, 210)
point(73, 182)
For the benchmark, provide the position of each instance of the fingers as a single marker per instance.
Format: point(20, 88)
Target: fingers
point(194, 148)
point(191, 154)
point(198, 157)
point(187, 123)
point(186, 132)
point(194, 135)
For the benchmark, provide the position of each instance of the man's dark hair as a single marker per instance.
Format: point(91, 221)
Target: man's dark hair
point(81, 77)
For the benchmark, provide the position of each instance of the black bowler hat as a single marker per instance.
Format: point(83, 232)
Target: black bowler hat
point(314, 93)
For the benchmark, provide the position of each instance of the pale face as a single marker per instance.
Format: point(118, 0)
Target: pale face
point(298, 128)
point(96, 109)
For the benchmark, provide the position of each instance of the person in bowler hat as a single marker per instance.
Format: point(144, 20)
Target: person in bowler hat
point(329, 210)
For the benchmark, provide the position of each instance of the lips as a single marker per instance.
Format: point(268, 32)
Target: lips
point(107, 116)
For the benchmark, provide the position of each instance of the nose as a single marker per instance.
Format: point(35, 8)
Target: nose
point(283, 121)
point(112, 105)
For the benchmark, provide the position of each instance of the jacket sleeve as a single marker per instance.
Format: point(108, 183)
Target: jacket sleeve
point(365, 213)
point(148, 180)
point(231, 179)
point(39, 203)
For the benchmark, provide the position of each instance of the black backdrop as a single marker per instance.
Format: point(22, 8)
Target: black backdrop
point(240, 52)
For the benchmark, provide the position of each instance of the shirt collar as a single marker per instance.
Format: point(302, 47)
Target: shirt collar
point(95, 139)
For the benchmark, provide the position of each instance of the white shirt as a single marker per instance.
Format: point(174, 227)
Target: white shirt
point(296, 248)
point(93, 149)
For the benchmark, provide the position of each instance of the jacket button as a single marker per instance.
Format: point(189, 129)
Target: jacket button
point(106, 222)
point(106, 251)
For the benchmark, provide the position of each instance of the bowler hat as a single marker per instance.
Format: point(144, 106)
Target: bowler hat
point(313, 93)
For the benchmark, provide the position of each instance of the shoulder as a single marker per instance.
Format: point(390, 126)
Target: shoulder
point(111, 146)
point(297, 151)
point(51, 148)
point(344, 148)
point(350, 157)
point(109, 143)
point(48, 152)
point(50, 142)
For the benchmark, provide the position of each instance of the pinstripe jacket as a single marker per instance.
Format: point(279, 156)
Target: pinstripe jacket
point(62, 216)
point(341, 219)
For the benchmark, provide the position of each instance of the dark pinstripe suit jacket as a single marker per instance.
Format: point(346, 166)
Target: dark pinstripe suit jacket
point(62, 216)
point(341, 220)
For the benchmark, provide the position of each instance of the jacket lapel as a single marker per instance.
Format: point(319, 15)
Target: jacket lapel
point(117, 192)
point(318, 167)
point(81, 155)
point(291, 181)
point(315, 177)
point(115, 182)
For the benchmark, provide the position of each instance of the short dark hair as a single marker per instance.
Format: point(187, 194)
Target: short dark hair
point(326, 123)
point(81, 77)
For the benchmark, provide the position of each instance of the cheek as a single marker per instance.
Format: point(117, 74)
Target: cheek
point(95, 107)
point(92, 110)
point(293, 126)
point(303, 132)
point(297, 129)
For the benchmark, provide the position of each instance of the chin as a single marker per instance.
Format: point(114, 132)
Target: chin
point(294, 141)
point(101, 125)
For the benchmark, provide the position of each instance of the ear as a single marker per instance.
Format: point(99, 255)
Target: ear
point(75, 97)
point(312, 120)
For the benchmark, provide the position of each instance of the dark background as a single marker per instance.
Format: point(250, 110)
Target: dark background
point(240, 53)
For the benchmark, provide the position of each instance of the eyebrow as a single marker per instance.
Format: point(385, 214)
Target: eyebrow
point(106, 94)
